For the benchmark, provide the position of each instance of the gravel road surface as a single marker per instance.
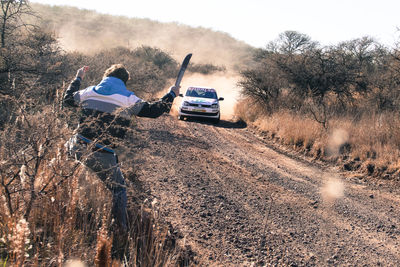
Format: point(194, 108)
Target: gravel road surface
point(238, 200)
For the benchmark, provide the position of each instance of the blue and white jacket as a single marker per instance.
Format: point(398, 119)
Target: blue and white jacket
point(107, 108)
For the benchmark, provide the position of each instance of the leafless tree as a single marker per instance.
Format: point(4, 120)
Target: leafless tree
point(11, 18)
point(291, 42)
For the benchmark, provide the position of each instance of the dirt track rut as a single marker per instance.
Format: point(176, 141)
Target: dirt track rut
point(239, 201)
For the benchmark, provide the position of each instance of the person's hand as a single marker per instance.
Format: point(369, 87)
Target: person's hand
point(81, 72)
point(175, 89)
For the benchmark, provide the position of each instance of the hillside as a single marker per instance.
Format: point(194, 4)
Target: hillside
point(88, 31)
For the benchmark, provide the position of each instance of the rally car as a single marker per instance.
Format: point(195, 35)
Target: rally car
point(200, 102)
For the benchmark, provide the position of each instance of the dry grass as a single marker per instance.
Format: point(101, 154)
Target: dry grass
point(291, 130)
point(71, 225)
point(369, 144)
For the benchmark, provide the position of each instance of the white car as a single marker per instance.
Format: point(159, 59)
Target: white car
point(200, 102)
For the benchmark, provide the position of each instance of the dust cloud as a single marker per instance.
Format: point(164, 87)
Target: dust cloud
point(332, 189)
point(89, 32)
point(337, 139)
point(207, 46)
point(223, 83)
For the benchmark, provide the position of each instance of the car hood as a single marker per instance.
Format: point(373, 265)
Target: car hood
point(200, 100)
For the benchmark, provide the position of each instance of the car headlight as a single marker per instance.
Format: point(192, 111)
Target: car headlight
point(214, 106)
point(185, 103)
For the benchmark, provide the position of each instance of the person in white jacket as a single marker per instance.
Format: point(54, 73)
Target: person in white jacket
point(105, 113)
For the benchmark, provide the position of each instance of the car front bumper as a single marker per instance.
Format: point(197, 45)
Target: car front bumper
point(199, 112)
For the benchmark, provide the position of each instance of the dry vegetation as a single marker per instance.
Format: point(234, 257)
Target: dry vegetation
point(338, 103)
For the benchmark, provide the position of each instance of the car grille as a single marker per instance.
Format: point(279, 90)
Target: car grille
point(199, 105)
point(200, 113)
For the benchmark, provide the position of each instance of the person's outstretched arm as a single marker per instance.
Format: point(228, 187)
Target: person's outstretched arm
point(74, 87)
point(155, 109)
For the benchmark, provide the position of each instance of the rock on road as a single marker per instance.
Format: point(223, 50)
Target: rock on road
point(239, 200)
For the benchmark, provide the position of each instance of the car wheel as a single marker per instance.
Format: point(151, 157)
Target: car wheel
point(216, 121)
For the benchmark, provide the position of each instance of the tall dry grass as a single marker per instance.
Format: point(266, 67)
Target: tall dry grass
point(72, 222)
point(369, 143)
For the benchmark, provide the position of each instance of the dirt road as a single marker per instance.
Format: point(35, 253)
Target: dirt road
point(239, 201)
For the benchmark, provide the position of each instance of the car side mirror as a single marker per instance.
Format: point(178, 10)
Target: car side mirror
point(180, 95)
point(220, 99)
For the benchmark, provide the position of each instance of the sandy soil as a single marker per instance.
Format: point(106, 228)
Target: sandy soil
point(239, 200)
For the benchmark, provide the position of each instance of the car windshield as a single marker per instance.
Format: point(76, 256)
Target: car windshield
point(202, 92)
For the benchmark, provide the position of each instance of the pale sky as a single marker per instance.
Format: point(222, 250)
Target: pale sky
point(257, 22)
